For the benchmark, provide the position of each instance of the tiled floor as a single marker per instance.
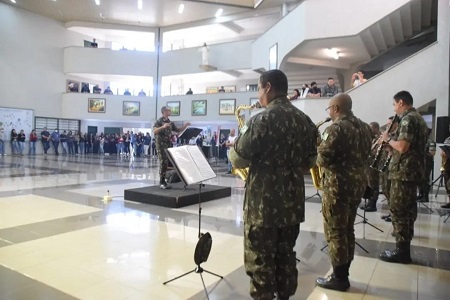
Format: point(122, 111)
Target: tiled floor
point(60, 240)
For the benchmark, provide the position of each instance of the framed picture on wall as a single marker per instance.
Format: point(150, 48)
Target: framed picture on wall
point(227, 106)
point(72, 86)
point(131, 108)
point(174, 107)
point(199, 107)
point(230, 89)
point(96, 105)
point(212, 90)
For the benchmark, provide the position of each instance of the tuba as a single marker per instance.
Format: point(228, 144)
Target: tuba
point(243, 173)
point(316, 170)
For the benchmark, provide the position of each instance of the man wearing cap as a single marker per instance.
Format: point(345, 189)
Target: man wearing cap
point(163, 130)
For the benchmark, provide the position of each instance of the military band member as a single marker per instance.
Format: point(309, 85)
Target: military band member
point(163, 130)
point(343, 155)
point(445, 171)
point(373, 173)
point(277, 145)
point(406, 170)
point(425, 186)
point(385, 182)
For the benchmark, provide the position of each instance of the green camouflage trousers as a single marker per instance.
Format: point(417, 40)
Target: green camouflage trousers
point(403, 207)
point(163, 159)
point(386, 186)
point(338, 223)
point(269, 259)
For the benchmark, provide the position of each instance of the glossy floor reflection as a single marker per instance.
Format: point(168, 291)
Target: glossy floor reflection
point(60, 240)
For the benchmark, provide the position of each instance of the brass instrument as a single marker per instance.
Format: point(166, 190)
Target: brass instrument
point(316, 171)
point(376, 160)
point(243, 173)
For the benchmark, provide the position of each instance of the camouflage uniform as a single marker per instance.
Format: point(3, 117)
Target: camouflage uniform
point(424, 188)
point(278, 145)
point(163, 142)
point(343, 155)
point(406, 171)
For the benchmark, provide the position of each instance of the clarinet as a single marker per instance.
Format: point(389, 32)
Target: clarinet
point(376, 161)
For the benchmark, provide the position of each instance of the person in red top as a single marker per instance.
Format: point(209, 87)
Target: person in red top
point(33, 140)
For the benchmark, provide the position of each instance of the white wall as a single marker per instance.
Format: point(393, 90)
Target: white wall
point(75, 106)
point(212, 113)
point(107, 61)
point(31, 60)
point(226, 56)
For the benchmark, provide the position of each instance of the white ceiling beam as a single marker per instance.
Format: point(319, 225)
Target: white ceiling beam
point(224, 19)
point(336, 64)
point(233, 27)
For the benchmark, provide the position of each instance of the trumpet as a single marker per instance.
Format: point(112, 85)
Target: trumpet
point(377, 157)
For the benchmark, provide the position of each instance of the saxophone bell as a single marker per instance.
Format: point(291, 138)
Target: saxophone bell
point(316, 171)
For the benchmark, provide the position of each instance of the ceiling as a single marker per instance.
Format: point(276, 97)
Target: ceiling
point(155, 13)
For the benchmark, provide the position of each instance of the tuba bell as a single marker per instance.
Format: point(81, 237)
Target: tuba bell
point(243, 173)
point(316, 170)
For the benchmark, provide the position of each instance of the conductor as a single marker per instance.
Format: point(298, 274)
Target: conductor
point(163, 130)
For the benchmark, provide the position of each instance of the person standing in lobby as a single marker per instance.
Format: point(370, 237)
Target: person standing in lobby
point(229, 144)
point(2, 141)
point(55, 140)
point(45, 139)
point(33, 140)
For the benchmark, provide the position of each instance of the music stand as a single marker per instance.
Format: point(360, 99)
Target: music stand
point(312, 196)
point(193, 168)
point(189, 132)
point(367, 194)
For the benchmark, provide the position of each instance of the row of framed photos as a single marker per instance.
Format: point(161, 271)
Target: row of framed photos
point(129, 108)
point(199, 107)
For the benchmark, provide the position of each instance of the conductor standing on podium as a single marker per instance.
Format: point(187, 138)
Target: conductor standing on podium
point(163, 130)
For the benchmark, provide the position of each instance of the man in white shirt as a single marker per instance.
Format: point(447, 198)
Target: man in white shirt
point(229, 144)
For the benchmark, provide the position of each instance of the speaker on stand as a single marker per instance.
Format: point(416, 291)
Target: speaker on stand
point(442, 129)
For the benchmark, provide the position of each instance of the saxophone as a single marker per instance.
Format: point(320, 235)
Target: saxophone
point(243, 173)
point(316, 170)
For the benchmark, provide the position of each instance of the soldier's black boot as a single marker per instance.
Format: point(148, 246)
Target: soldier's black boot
point(337, 281)
point(163, 184)
point(424, 195)
point(401, 254)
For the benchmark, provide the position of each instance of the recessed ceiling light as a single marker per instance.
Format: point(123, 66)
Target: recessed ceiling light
point(97, 2)
point(219, 12)
point(332, 52)
point(13, 1)
point(181, 8)
point(140, 4)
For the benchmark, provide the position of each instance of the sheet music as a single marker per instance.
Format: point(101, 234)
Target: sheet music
point(191, 164)
point(202, 164)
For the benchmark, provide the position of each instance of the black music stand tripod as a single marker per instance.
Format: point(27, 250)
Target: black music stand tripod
point(439, 185)
point(202, 249)
point(367, 194)
point(316, 194)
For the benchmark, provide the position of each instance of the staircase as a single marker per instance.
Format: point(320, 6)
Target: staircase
point(359, 34)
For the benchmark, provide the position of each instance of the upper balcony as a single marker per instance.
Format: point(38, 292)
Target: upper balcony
point(81, 60)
